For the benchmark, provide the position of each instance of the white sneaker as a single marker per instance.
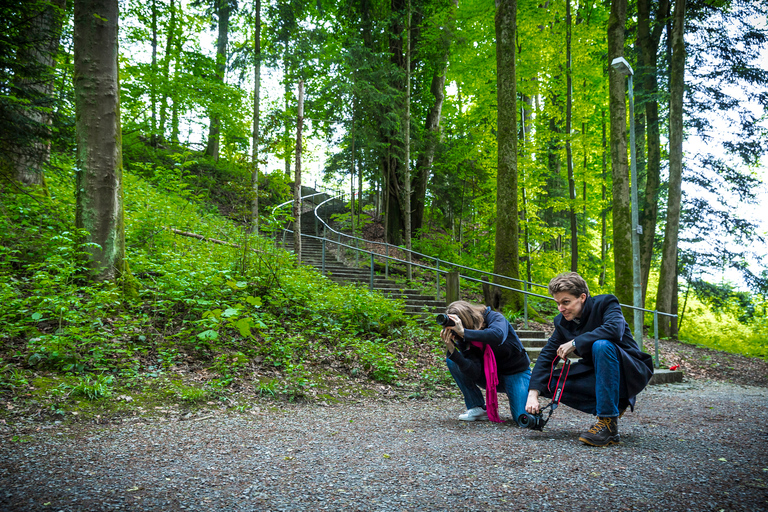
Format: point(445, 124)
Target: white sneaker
point(474, 414)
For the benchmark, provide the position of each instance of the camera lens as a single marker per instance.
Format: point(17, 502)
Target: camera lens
point(532, 421)
point(444, 320)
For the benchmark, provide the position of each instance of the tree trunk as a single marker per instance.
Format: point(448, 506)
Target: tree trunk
point(287, 95)
point(167, 68)
point(568, 145)
point(506, 257)
point(297, 179)
point(256, 136)
point(153, 75)
point(99, 192)
point(214, 130)
point(622, 222)
point(407, 140)
point(668, 272)
point(43, 35)
point(604, 211)
point(432, 136)
point(648, 46)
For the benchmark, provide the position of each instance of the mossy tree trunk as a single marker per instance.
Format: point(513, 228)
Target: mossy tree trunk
point(506, 257)
point(622, 222)
point(665, 299)
point(43, 32)
point(99, 194)
point(214, 130)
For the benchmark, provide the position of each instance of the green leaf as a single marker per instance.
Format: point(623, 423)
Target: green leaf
point(253, 301)
point(208, 335)
point(230, 312)
point(244, 326)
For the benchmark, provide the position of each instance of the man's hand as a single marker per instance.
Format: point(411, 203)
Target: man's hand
point(532, 406)
point(565, 349)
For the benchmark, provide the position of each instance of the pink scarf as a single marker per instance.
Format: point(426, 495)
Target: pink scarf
point(491, 381)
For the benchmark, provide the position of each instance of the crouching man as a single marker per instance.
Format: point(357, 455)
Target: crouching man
point(612, 369)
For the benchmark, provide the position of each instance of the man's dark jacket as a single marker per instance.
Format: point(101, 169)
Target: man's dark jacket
point(498, 334)
point(601, 319)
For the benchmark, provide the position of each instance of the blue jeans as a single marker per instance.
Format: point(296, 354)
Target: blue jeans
point(515, 385)
point(607, 378)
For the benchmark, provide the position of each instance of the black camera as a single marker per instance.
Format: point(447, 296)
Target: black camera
point(532, 421)
point(536, 421)
point(444, 320)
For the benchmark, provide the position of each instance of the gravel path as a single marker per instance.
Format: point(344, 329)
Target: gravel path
point(693, 446)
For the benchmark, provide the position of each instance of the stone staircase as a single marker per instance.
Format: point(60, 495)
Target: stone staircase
point(416, 303)
point(534, 341)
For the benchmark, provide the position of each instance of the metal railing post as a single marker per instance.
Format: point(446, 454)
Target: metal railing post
point(525, 304)
point(323, 268)
point(386, 264)
point(656, 335)
point(371, 270)
point(437, 278)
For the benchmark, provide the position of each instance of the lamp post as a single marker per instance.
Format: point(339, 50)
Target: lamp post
point(621, 66)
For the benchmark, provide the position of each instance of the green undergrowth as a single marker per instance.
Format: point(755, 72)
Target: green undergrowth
point(211, 323)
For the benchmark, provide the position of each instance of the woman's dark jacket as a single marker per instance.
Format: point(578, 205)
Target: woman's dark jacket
point(601, 319)
point(503, 340)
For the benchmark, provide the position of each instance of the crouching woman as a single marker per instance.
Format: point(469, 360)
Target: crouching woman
point(484, 351)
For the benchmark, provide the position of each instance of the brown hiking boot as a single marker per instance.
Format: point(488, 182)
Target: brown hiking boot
point(602, 433)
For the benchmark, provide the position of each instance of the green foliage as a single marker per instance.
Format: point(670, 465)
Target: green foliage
point(196, 301)
point(92, 388)
point(722, 330)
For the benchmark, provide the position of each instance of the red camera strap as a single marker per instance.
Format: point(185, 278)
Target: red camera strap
point(563, 375)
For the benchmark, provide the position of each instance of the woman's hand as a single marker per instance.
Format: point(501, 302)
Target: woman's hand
point(565, 349)
point(447, 335)
point(532, 405)
point(458, 328)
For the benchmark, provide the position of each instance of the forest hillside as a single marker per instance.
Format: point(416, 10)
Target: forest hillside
point(516, 138)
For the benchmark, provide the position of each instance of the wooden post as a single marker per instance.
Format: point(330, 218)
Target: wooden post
point(451, 287)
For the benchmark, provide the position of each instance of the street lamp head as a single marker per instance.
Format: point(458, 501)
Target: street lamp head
point(621, 65)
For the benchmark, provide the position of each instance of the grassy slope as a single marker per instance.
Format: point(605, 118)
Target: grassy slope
point(211, 323)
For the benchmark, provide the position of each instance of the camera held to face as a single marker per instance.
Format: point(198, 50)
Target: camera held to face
point(444, 320)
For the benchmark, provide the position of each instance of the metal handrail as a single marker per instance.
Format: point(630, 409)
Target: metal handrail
point(438, 271)
point(387, 245)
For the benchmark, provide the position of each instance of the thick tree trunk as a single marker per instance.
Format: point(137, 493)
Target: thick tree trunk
point(506, 257)
point(256, 137)
point(622, 222)
point(297, 179)
point(99, 192)
point(648, 46)
point(665, 299)
point(407, 140)
point(43, 34)
point(393, 160)
point(214, 130)
point(568, 145)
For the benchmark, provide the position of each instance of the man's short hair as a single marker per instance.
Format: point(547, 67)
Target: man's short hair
point(569, 282)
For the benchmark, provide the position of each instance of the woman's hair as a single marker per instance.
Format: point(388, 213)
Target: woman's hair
point(569, 282)
point(471, 315)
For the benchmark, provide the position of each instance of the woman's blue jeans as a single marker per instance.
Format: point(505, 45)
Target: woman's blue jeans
point(515, 385)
